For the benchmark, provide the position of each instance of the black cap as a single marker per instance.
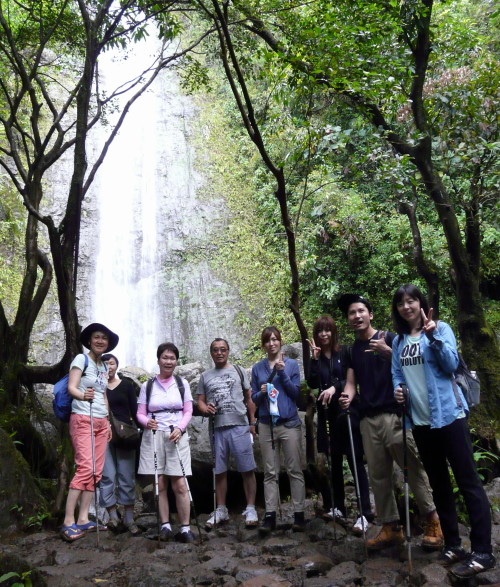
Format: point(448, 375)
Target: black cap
point(94, 327)
point(346, 300)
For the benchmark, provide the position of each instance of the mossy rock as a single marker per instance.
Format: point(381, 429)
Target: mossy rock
point(20, 496)
point(11, 563)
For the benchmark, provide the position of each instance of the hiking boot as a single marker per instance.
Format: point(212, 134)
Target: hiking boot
point(451, 555)
point(134, 529)
point(268, 524)
point(361, 523)
point(185, 537)
point(299, 522)
point(335, 514)
point(115, 525)
point(433, 536)
point(389, 535)
point(220, 516)
point(166, 534)
point(251, 518)
point(474, 563)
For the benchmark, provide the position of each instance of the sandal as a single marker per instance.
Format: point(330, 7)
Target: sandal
point(71, 533)
point(90, 527)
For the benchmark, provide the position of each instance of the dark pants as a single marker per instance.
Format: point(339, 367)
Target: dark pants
point(451, 444)
point(339, 446)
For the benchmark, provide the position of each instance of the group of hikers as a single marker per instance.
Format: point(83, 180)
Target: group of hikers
point(361, 390)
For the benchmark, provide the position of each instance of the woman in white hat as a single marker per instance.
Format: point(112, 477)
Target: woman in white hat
point(88, 378)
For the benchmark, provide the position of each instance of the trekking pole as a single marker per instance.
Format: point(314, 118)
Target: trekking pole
point(404, 389)
point(157, 491)
point(330, 471)
point(94, 475)
point(191, 502)
point(356, 479)
point(273, 444)
point(212, 426)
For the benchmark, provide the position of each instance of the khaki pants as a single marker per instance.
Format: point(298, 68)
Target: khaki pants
point(289, 440)
point(383, 444)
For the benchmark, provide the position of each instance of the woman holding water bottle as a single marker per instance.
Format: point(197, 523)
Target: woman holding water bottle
point(275, 390)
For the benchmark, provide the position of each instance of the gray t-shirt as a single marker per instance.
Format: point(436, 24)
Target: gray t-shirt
point(96, 377)
point(222, 387)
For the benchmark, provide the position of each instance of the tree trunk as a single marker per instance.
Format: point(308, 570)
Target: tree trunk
point(428, 272)
point(479, 344)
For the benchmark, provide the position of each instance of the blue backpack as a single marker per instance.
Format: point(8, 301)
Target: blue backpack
point(61, 404)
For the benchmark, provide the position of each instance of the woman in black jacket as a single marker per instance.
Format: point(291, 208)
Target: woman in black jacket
point(118, 476)
point(327, 373)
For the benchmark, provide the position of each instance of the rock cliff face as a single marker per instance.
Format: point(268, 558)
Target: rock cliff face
point(150, 228)
point(149, 254)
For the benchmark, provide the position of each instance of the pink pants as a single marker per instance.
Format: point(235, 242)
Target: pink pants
point(79, 430)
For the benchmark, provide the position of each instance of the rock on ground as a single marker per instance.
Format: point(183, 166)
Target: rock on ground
point(228, 556)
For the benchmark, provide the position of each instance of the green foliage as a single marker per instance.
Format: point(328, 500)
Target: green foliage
point(33, 521)
point(24, 579)
point(345, 184)
point(234, 172)
point(11, 239)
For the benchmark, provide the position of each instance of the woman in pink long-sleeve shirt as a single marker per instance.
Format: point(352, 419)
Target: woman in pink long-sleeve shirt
point(165, 416)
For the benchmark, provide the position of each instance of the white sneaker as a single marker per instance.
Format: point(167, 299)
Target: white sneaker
point(251, 518)
point(335, 514)
point(361, 523)
point(220, 516)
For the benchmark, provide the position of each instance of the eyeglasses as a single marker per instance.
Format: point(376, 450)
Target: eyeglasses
point(221, 351)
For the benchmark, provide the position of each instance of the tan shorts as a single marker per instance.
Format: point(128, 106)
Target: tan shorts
point(166, 454)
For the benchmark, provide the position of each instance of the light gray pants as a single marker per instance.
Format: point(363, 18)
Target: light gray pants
point(118, 477)
point(383, 444)
point(289, 441)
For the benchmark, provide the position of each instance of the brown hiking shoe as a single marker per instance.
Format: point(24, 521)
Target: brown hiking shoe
point(389, 535)
point(433, 536)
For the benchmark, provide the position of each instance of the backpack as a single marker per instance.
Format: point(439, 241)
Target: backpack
point(242, 376)
point(468, 382)
point(149, 387)
point(62, 402)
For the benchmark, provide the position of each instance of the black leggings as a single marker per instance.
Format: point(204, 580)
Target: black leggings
point(451, 444)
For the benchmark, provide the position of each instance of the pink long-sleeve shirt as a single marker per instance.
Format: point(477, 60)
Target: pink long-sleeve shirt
point(166, 403)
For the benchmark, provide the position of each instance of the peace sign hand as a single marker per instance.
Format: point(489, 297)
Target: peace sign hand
point(315, 350)
point(428, 322)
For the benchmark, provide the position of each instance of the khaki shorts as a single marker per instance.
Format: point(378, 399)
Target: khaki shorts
point(166, 454)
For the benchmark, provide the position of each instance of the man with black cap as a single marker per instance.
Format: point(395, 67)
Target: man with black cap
point(369, 367)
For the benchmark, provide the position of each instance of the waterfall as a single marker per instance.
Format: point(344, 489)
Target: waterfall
point(153, 215)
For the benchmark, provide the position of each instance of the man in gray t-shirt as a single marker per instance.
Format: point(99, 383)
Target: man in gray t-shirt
point(224, 395)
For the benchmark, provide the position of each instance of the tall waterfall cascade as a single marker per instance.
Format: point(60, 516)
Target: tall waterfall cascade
point(146, 282)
